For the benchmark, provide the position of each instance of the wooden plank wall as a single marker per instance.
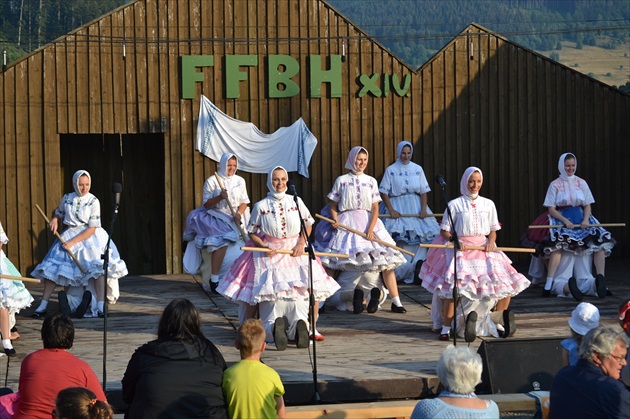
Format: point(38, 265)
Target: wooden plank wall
point(481, 100)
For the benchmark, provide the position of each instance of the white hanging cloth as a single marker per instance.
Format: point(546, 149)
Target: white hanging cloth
point(257, 152)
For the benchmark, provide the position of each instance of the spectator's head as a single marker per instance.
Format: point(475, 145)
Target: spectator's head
point(584, 318)
point(81, 403)
point(58, 332)
point(624, 316)
point(180, 322)
point(459, 369)
point(251, 337)
point(606, 347)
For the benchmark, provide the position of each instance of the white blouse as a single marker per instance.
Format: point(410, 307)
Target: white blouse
point(472, 217)
point(278, 218)
point(76, 211)
point(353, 192)
point(236, 189)
point(401, 179)
point(568, 193)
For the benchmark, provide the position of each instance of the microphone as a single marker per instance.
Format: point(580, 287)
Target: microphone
point(117, 189)
point(439, 179)
point(291, 187)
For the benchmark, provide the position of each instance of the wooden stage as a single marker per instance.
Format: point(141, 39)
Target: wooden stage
point(365, 357)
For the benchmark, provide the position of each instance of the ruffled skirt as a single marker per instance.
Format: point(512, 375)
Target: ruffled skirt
point(255, 277)
point(364, 255)
point(61, 269)
point(13, 294)
point(411, 230)
point(481, 274)
point(578, 240)
point(211, 229)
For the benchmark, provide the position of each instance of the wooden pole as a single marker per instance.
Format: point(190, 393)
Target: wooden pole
point(410, 215)
point(19, 278)
point(60, 239)
point(288, 252)
point(578, 226)
point(240, 229)
point(503, 249)
point(362, 234)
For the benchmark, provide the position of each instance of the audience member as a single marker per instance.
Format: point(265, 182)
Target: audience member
point(459, 370)
point(179, 374)
point(624, 321)
point(81, 403)
point(583, 318)
point(47, 371)
point(591, 388)
point(261, 397)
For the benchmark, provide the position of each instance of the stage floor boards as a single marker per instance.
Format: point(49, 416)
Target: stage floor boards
point(364, 357)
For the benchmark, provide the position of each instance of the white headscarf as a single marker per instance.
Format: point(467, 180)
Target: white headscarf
point(75, 180)
point(399, 149)
point(563, 173)
point(272, 192)
point(352, 158)
point(223, 164)
point(463, 184)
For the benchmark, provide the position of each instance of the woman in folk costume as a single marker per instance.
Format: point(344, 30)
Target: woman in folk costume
point(13, 297)
point(80, 211)
point(485, 277)
point(212, 226)
point(404, 190)
point(568, 202)
point(354, 203)
point(278, 283)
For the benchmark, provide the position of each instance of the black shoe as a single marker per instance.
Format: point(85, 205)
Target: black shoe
point(280, 334)
point(398, 309)
point(64, 306)
point(574, 290)
point(416, 273)
point(546, 293)
point(86, 300)
point(101, 314)
point(470, 329)
point(375, 299)
point(600, 285)
point(509, 323)
point(39, 314)
point(608, 293)
point(301, 334)
point(9, 352)
point(213, 287)
point(357, 301)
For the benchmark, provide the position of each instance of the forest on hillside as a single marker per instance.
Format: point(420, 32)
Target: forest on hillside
point(415, 29)
point(26, 25)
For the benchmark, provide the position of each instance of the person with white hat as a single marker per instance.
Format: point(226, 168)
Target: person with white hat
point(583, 318)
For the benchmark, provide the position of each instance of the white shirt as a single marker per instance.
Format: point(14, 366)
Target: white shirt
point(355, 192)
point(472, 217)
point(278, 218)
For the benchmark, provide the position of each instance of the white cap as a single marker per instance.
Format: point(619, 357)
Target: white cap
point(584, 318)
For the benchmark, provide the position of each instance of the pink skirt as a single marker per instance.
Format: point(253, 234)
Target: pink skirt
point(481, 274)
point(256, 277)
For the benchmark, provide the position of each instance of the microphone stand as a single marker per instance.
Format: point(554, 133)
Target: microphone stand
point(456, 248)
point(311, 297)
point(105, 257)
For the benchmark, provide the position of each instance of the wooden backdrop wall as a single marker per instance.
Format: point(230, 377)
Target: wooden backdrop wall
point(482, 100)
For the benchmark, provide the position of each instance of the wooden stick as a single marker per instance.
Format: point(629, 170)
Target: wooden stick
point(362, 234)
point(578, 226)
point(19, 278)
point(288, 252)
point(60, 239)
point(410, 215)
point(503, 249)
point(240, 229)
